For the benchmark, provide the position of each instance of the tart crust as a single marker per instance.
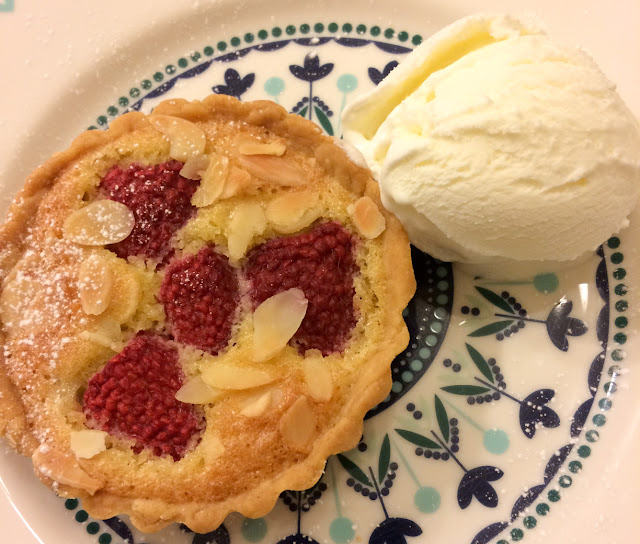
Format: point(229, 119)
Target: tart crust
point(41, 365)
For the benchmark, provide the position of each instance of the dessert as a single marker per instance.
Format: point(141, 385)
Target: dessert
point(198, 307)
point(491, 141)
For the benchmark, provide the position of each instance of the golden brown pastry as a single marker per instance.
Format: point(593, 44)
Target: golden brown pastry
point(198, 307)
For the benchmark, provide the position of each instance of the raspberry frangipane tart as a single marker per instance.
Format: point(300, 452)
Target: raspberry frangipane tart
point(198, 307)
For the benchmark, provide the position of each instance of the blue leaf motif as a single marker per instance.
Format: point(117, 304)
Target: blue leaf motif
point(394, 531)
point(298, 538)
point(376, 76)
point(234, 84)
point(475, 483)
point(311, 70)
point(219, 536)
point(489, 532)
point(120, 528)
point(533, 410)
point(560, 325)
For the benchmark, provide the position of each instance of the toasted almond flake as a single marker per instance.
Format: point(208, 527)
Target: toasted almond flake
point(195, 391)
point(298, 424)
point(86, 444)
point(256, 405)
point(186, 138)
point(126, 293)
point(108, 334)
point(247, 145)
point(64, 469)
point(222, 376)
point(213, 180)
point(247, 221)
point(291, 212)
point(276, 170)
point(368, 218)
point(275, 322)
point(99, 223)
point(95, 283)
point(237, 181)
point(318, 378)
point(195, 167)
point(212, 447)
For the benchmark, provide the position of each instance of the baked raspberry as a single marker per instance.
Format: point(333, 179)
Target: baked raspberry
point(160, 199)
point(200, 297)
point(133, 397)
point(319, 262)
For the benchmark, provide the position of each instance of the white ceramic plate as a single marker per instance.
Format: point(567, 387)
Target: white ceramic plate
point(514, 407)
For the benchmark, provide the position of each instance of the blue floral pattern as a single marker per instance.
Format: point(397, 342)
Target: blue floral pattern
point(463, 335)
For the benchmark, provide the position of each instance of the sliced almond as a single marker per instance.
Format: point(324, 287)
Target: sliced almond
point(367, 217)
point(275, 322)
point(247, 221)
point(64, 469)
point(195, 391)
point(276, 170)
point(195, 167)
point(222, 376)
point(256, 405)
point(291, 212)
point(95, 283)
point(99, 223)
point(318, 379)
point(212, 447)
point(126, 292)
point(86, 444)
point(186, 138)
point(213, 180)
point(236, 183)
point(108, 334)
point(298, 424)
point(250, 146)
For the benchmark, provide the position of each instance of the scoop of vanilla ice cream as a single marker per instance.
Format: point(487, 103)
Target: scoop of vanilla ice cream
point(490, 141)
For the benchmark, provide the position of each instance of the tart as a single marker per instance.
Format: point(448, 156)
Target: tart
point(198, 307)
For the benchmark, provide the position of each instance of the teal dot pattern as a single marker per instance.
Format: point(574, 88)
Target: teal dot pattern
point(342, 530)
point(248, 39)
point(604, 403)
point(254, 530)
point(496, 441)
point(427, 500)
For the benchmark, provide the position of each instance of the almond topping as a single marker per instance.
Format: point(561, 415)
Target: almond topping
point(256, 405)
point(249, 146)
point(195, 167)
point(368, 218)
point(318, 379)
point(108, 334)
point(275, 322)
point(126, 293)
point(95, 282)
point(212, 447)
point(291, 212)
point(213, 180)
point(237, 181)
point(195, 391)
point(247, 221)
point(221, 376)
point(99, 223)
point(186, 138)
point(298, 424)
point(86, 444)
point(276, 170)
point(64, 469)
